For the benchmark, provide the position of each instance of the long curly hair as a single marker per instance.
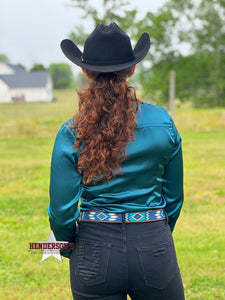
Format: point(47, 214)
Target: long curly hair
point(104, 123)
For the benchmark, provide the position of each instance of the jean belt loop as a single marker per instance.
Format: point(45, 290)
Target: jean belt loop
point(167, 218)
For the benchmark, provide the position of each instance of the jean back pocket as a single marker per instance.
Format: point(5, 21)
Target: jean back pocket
point(91, 261)
point(159, 264)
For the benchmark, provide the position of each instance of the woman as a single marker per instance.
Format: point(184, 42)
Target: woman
point(122, 158)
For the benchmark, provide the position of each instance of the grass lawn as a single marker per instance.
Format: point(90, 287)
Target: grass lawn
point(27, 134)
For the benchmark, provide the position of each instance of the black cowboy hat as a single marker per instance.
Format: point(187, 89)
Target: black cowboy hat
point(107, 49)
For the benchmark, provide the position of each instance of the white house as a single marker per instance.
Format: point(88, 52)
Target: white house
point(18, 85)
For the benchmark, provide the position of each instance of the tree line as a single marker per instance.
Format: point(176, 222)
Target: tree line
point(197, 25)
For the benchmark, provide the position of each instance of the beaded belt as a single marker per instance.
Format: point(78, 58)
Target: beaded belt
point(131, 217)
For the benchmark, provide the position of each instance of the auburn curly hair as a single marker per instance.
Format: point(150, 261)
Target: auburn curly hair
point(104, 123)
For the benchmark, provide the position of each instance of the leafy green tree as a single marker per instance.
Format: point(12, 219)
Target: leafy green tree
point(38, 67)
point(61, 75)
point(4, 58)
point(153, 73)
point(210, 37)
point(203, 27)
point(194, 80)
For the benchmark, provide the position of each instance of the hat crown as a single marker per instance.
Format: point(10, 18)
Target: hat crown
point(107, 45)
point(107, 49)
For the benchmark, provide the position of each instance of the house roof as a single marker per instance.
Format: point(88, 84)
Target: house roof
point(16, 68)
point(26, 79)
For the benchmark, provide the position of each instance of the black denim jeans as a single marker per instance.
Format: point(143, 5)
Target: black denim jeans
point(113, 260)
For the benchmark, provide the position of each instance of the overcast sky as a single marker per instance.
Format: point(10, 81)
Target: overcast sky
point(31, 30)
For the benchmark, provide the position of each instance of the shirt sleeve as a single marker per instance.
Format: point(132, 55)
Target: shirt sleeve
point(173, 180)
point(65, 188)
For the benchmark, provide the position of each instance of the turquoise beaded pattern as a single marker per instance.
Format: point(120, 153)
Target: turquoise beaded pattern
point(144, 216)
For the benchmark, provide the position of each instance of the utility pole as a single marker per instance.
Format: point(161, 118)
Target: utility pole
point(172, 92)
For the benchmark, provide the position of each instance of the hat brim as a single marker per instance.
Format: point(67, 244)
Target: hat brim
point(73, 53)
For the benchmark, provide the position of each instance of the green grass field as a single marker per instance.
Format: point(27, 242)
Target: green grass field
point(27, 133)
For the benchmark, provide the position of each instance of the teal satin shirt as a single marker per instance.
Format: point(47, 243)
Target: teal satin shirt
point(152, 175)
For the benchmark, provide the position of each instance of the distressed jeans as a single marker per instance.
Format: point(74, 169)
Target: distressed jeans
point(113, 260)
